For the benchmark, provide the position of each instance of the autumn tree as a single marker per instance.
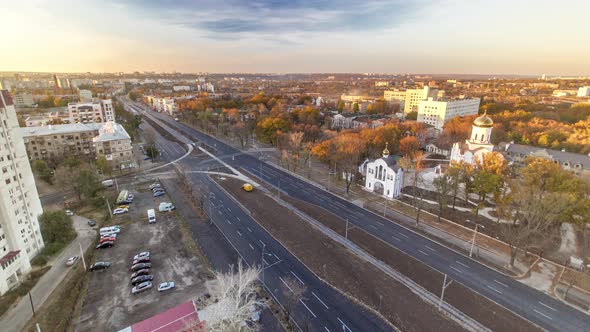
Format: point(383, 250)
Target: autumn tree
point(417, 165)
point(409, 145)
point(41, 169)
point(454, 173)
point(268, 128)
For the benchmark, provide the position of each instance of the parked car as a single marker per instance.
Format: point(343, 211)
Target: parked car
point(159, 193)
point(112, 234)
point(107, 239)
point(157, 189)
point(91, 223)
point(141, 272)
point(120, 211)
point(141, 287)
point(142, 255)
point(141, 279)
point(166, 286)
point(165, 206)
point(247, 187)
point(155, 185)
point(107, 244)
point(141, 266)
point(131, 197)
point(124, 202)
point(141, 260)
point(71, 261)
point(100, 266)
point(123, 206)
point(69, 213)
point(146, 158)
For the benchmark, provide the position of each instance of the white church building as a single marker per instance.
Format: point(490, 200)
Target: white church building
point(383, 176)
point(477, 145)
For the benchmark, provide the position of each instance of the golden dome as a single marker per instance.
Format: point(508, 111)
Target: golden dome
point(483, 121)
point(386, 150)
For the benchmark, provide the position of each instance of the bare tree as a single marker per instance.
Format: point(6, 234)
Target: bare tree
point(293, 291)
point(416, 163)
point(443, 185)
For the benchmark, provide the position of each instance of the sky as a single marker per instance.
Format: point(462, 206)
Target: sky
point(328, 36)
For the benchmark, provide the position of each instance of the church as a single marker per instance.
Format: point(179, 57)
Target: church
point(383, 176)
point(478, 144)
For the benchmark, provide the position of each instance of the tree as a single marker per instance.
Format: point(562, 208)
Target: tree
point(102, 164)
point(42, 170)
point(454, 173)
point(268, 128)
point(443, 185)
point(240, 131)
point(56, 227)
point(293, 292)
point(151, 151)
point(416, 164)
point(413, 115)
point(355, 108)
point(408, 145)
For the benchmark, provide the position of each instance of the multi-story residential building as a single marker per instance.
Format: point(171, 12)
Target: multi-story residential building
point(92, 112)
point(20, 236)
point(395, 96)
point(584, 91)
point(85, 95)
point(438, 112)
point(177, 88)
point(23, 100)
point(162, 104)
point(415, 96)
point(87, 141)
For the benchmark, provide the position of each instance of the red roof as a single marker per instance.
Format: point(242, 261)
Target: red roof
point(172, 320)
point(10, 255)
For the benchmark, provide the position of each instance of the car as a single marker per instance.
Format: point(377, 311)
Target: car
point(100, 266)
point(141, 279)
point(131, 197)
point(141, 260)
point(111, 234)
point(157, 189)
point(71, 261)
point(159, 193)
point(146, 158)
point(106, 244)
point(165, 206)
point(166, 286)
point(141, 287)
point(247, 187)
point(141, 272)
point(123, 206)
point(120, 211)
point(143, 254)
point(107, 239)
point(123, 202)
point(141, 266)
point(69, 213)
point(91, 223)
point(155, 185)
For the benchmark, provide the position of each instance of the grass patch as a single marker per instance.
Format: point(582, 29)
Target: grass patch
point(10, 297)
point(50, 250)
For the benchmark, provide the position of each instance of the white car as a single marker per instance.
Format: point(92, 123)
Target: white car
point(71, 260)
point(145, 254)
point(130, 197)
point(166, 286)
point(165, 206)
point(155, 185)
point(69, 213)
point(141, 287)
point(120, 211)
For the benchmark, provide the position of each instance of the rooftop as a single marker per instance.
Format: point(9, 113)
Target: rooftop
point(59, 129)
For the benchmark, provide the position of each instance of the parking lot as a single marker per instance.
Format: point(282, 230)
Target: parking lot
point(109, 304)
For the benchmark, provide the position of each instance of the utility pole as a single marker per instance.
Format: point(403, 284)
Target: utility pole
point(442, 294)
point(279, 186)
point(262, 261)
point(473, 241)
point(82, 255)
point(108, 207)
point(32, 305)
point(347, 228)
point(116, 185)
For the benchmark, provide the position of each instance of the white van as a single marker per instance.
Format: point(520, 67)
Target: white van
point(165, 207)
point(151, 216)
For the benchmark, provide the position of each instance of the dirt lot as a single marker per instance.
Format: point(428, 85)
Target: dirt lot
point(359, 279)
point(109, 304)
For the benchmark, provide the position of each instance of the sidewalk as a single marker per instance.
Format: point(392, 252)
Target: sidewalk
point(18, 315)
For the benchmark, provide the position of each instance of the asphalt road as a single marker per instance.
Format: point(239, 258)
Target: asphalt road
point(537, 307)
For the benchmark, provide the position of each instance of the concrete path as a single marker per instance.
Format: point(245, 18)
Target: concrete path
point(16, 318)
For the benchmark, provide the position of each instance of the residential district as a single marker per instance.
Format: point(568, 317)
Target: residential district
point(300, 202)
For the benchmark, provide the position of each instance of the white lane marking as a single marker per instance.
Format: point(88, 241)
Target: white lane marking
point(219, 212)
point(228, 209)
point(380, 223)
point(322, 302)
point(249, 229)
point(456, 269)
point(492, 288)
point(373, 226)
point(286, 284)
point(326, 329)
point(396, 238)
point(238, 218)
point(262, 242)
point(430, 248)
point(503, 284)
point(265, 262)
point(547, 306)
point(344, 325)
point(251, 246)
point(240, 234)
point(404, 235)
point(277, 257)
point(229, 222)
point(542, 314)
point(293, 273)
point(465, 265)
point(306, 307)
point(422, 252)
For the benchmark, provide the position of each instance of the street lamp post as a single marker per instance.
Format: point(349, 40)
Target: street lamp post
point(442, 294)
point(477, 225)
point(108, 207)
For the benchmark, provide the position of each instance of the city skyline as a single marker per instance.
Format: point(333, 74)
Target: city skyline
point(449, 37)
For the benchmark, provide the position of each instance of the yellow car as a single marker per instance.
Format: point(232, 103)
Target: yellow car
point(247, 187)
point(123, 206)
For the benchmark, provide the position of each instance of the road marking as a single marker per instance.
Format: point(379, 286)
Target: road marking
point(396, 238)
point(344, 325)
point(492, 288)
point(277, 257)
point(543, 304)
point(456, 269)
point(240, 234)
point(503, 284)
point(228, 209)
point(461, 264)
point(249, 229)
point(265, 262)
point(422, 252)
point(262, 242)
point(219, 212)
point(542, 314)
point(306, 307)
point(322, 302)
point(430, 248)
point(238, 218)
point(286, 284)
point(229, 222)
point(326, 329)
point(404, 235)
point(373, 226)
point(380, 223)
point(251, 246)
point(293, 273)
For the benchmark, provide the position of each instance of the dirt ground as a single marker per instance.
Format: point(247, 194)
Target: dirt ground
point(361, 280)
point(109, 304)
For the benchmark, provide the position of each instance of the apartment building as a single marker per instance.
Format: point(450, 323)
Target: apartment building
point(86, 141)
point(584, 91)
point(20, 236)
point(415, 96)
point(85, 95)
point(162, 104)
point(437, 112)
point(95, 111)
point(394, 96)
point(23, 100)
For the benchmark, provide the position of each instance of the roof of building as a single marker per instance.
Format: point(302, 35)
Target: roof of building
point(562, 156)
point(6, 99)
point(10, 255)
point(171, 320)
point(59, 129)
point(111, 131)
point(391, 161)
point(484, 121)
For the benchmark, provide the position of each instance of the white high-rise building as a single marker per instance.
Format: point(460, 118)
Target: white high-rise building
point(92, 112)
point(415, 96)
point(584, 91)
point(438, 112)
point(20, 236)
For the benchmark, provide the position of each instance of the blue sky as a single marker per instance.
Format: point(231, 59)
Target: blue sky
point(382, 36)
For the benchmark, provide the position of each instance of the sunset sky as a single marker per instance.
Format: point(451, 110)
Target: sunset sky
point(447, 36)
